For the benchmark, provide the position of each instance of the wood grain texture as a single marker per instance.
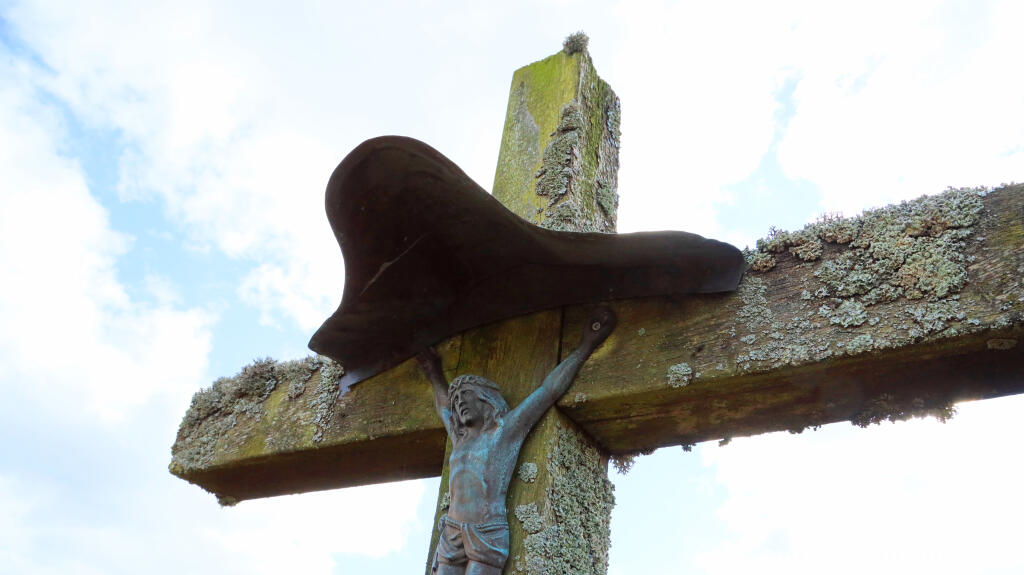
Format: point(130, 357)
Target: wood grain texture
point(969, 348)
point(769, 358)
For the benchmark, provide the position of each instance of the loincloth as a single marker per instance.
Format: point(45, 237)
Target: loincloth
point(461, 542)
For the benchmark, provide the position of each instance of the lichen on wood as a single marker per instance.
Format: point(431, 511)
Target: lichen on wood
point(679, 375)
point(913, 249)
point(913, 300)
point(887, 407)
point(770, 358)
point(561, 141)
point(579, 166)
point(575, 42)
point(568, 532)
point(560, 510)
point(861, 268)
point(217, 409)
point(528, 472)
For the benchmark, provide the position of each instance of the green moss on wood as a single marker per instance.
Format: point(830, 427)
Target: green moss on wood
point(558, 166)
point(536, 97)
point(216, 410)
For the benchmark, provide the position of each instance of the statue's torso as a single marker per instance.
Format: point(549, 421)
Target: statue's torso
point(479, 473)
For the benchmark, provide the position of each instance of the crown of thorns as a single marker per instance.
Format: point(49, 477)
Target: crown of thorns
point(472, 380)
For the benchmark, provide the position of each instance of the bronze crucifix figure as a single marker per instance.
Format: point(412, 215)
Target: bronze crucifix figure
point(486, 436)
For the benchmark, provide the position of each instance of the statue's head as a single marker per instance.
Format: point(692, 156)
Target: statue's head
point(475, 401)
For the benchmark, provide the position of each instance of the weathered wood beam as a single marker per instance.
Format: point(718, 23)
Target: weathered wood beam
point(278, 428)
point(900, 312)
point(796, 346)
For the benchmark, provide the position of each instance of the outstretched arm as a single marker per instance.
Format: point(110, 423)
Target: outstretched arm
point(430, 364)
point(528, 413)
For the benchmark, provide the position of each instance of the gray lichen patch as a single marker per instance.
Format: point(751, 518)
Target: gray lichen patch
point(572, 534)
point(804, 244)
point(623, 463)
point(528, 472)
point(912, 250)
point(860, 344)
point(216, 410)
point(579, 166)
point(575, 42)
point(760, 261)
point(807, 248)
point(940, 274)
point(560, 164)
point(607, 174)
point(326, 397)
point(887, 407)
point(849, 313)
point(243, 392)
point(934, 317)
point(679, 375)
point(884, 279)
point(755, 312)
point(607, 199)
point(529, 517)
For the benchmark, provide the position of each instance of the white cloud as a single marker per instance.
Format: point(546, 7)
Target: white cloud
point(892, 101)
point(698, 107)
point(171, 533)
point(912, 497)
point(306, 530)
point(236, 123)
point(227, 144)
point(69, 326)
point(17, 505)
point(891, 107)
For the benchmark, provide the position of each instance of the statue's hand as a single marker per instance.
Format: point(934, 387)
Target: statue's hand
point(598, 327)
point(430, 362)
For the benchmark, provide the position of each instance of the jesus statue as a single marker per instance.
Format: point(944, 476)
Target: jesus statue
point(486, 436)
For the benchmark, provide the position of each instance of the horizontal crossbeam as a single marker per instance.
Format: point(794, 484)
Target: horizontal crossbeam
point(900, 312)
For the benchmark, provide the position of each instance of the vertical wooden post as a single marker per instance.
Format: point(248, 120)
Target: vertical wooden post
point(558, 168)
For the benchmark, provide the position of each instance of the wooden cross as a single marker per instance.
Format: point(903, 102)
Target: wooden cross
point(899, 312)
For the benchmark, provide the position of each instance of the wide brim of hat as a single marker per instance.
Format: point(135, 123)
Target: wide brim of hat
point(429, 254)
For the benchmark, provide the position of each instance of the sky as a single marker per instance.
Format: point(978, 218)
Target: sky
point(162, 166)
